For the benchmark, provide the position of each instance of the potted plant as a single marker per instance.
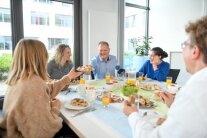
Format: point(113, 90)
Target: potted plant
point(142, 47)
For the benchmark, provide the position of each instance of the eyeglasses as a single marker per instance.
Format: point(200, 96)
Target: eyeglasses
point(184, 44)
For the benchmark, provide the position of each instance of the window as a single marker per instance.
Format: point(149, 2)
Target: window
point(39, 18)
point(54, 41)
point(130, 21)
point(5, 43)
point(136, 26)
point(63, 20)
point(5, 15)
point(53, 23)
point(43, 1)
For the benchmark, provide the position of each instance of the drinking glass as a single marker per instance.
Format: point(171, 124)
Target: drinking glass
point(82, 81)
point(168, 80)
point(107, 78)
point(81, 90)
point(90, 96)
point(105, 98)
point(141, 74)
point(131, 77)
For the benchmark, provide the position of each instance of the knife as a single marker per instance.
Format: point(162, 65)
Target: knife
point(84, 111)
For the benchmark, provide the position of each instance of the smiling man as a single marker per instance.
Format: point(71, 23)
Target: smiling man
point(103, 64)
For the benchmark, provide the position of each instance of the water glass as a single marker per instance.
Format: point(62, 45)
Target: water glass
point(81, 90)
point(90, 96)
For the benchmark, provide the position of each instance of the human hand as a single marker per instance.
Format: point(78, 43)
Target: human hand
point(167, 98)
point(155, 62)
point(128, 109)
point(72, 74)
point(55, 103)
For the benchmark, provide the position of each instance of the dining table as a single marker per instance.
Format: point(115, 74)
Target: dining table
point(105, 122)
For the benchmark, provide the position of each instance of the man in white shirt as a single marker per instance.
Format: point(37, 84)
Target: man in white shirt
point(187, 116)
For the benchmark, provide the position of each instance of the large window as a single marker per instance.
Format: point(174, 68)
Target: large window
point(39, 18)
point(5, 15)
point(63, 20)
point(52, 22)
point(54, 41)
point(136, 26)
point(5, 43)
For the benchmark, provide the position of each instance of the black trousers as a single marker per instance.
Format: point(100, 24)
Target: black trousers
point(65, 132)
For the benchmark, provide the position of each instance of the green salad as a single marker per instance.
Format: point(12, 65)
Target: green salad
point(128, 90)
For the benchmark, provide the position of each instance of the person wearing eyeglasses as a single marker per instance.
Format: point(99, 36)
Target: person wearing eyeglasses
point(155, 68)
point(61, 64)
point(103, 64)
point(186, 117)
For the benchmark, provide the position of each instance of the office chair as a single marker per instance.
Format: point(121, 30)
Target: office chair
point(174, 74)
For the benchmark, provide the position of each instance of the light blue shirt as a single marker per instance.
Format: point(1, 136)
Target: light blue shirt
point(101, 67)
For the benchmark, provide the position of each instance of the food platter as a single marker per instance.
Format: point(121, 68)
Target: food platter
point(150, 87)
point(85, 68)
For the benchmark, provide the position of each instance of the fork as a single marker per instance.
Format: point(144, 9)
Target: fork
point(84, 111)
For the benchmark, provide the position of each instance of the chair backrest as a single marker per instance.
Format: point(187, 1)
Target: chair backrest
point(1, 106)
point(174, 74)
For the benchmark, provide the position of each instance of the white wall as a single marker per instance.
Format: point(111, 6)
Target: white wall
point(100, 19)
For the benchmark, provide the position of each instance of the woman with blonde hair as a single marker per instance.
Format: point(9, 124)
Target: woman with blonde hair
point(29, 109)
point(61, 64)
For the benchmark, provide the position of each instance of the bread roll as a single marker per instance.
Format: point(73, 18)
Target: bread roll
point(131, 100)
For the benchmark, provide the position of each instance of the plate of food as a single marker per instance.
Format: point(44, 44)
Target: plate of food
point(85, 68)
point(77, 104)
point(113, 99)
point(150, 87)
point(156, 96)
point(145, 103)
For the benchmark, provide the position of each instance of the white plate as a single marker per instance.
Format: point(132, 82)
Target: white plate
point(72, 107)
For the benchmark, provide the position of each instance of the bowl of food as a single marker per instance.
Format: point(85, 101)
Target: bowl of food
point(129, 89)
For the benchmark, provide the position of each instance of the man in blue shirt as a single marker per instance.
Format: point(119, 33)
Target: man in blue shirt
point(103, 64)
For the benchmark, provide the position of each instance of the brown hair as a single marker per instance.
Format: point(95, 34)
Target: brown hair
point(30, 57)
point(198, 31)
point(59, 60)
point(159, 52)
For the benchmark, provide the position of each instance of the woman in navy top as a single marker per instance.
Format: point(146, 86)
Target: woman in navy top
point(156, 68)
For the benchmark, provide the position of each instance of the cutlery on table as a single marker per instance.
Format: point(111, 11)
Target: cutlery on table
point(84, 111)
